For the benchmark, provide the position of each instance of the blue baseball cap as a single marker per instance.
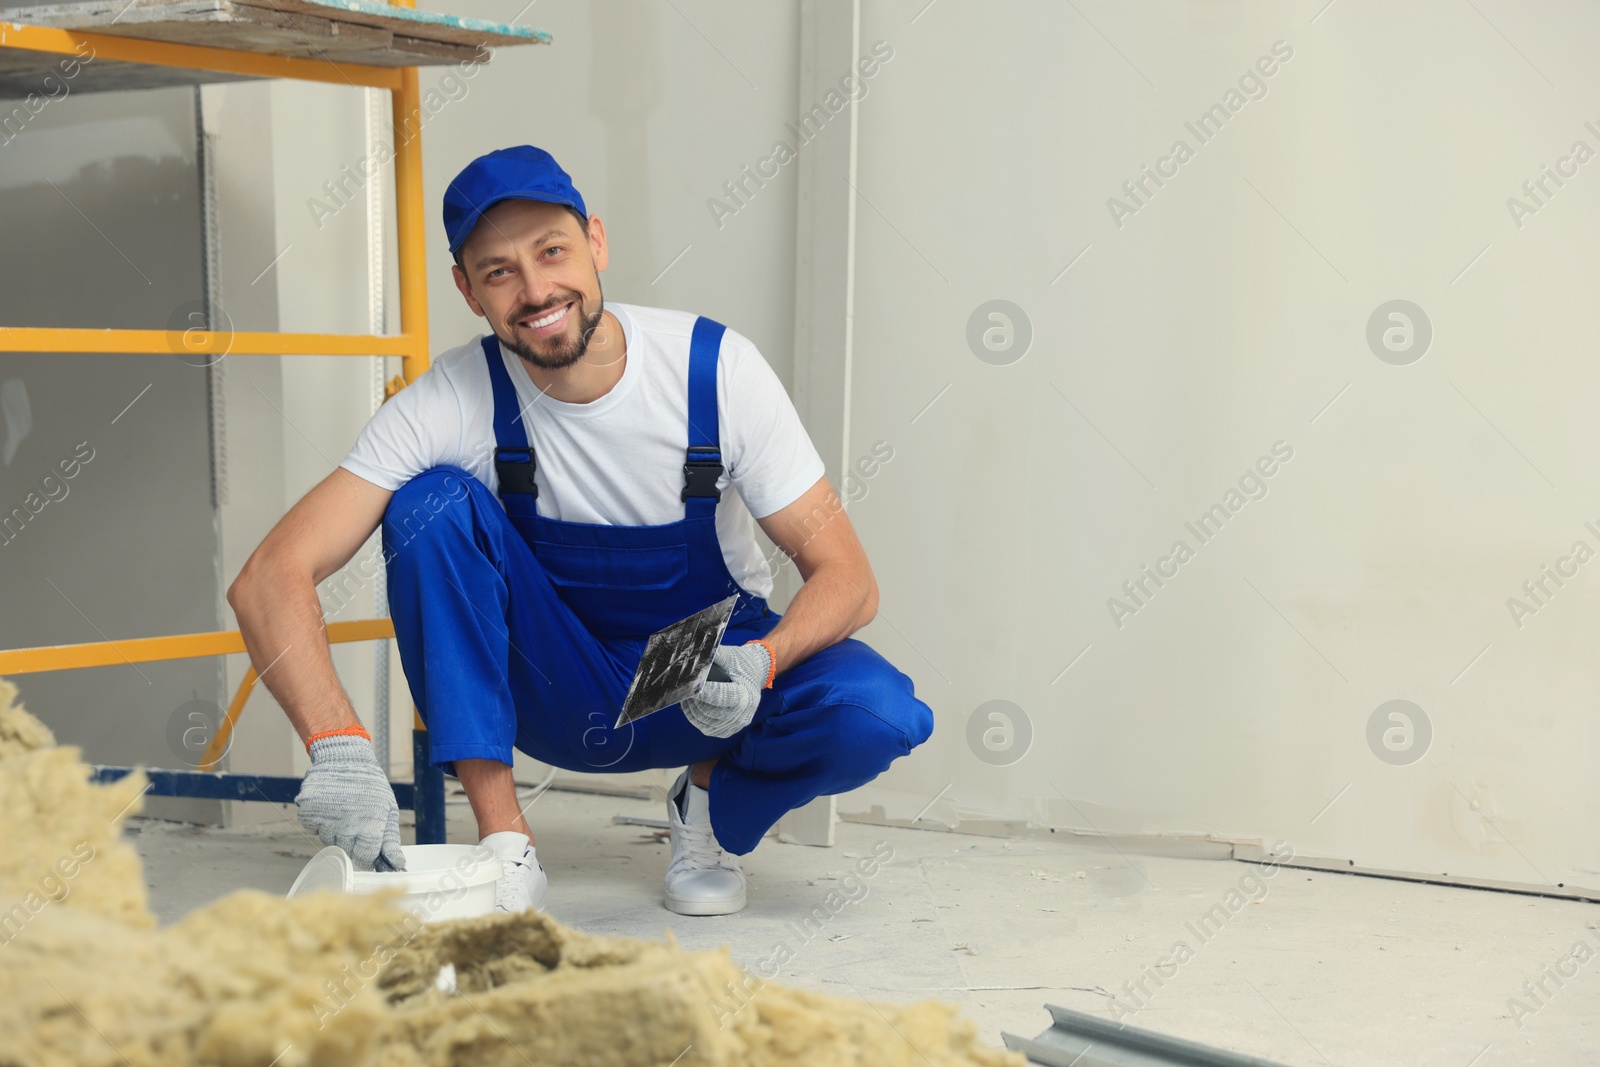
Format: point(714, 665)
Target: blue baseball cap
point(519, 173)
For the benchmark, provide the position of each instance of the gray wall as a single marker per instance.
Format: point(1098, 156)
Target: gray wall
point(100, 227)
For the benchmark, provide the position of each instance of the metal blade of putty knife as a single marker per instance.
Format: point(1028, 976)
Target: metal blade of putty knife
point(676, 661)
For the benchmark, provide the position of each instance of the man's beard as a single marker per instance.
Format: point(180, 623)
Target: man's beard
point(563, 350)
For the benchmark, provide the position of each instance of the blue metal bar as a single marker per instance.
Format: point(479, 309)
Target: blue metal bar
point(273, 789)
point(429, 804)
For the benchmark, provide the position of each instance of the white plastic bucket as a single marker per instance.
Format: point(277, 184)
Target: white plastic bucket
point(439, 882)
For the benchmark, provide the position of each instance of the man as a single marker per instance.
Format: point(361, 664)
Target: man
point(552, 493)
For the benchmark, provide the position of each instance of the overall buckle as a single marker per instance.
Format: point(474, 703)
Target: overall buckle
point(516, 475)
point(700, 474)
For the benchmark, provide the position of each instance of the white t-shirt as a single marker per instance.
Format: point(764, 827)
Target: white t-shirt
point(617, 460)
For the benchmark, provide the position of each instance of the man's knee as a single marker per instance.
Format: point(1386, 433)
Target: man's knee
point(885, 716)
point(437, 495)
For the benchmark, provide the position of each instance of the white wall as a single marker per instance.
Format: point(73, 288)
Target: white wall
point(322, 285)
point(290, 419)
point(1223, 317)
point(650, 118)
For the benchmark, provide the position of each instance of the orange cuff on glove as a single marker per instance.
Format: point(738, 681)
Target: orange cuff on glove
point(772, 671)
point(355, 731)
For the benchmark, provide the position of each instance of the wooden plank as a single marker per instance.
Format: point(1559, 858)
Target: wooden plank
point(206, 22)
point(447, 51)
point(226, 64)
point(410, 22)
point(366, 32)
point(357, 21)
point(249, 28)
point(411, 52)
point(100, 14)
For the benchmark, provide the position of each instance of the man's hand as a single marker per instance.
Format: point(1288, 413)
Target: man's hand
point(347, 801)
point(722, 709)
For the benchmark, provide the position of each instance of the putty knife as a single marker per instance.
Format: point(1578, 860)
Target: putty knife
point(677, 661)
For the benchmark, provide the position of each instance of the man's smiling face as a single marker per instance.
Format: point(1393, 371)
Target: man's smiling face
point(531, 270)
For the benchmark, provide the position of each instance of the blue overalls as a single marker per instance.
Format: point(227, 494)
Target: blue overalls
point(520, 631)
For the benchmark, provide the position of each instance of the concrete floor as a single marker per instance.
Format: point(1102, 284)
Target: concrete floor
point(1324, 969)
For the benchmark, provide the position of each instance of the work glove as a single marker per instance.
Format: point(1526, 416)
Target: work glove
point(346, 800)
point(722, 709)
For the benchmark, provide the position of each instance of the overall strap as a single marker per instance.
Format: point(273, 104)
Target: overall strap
point(513, 456)
point(703, 463)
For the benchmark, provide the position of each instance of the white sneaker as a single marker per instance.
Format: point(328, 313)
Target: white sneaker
point(523, 883)
point(703, 879)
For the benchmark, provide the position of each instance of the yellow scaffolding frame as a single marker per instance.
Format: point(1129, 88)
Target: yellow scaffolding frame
point(411, 344)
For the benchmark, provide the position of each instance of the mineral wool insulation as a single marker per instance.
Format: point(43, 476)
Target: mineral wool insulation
point(256, 980)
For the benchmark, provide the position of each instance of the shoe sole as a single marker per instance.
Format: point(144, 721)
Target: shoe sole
point(706, 907)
